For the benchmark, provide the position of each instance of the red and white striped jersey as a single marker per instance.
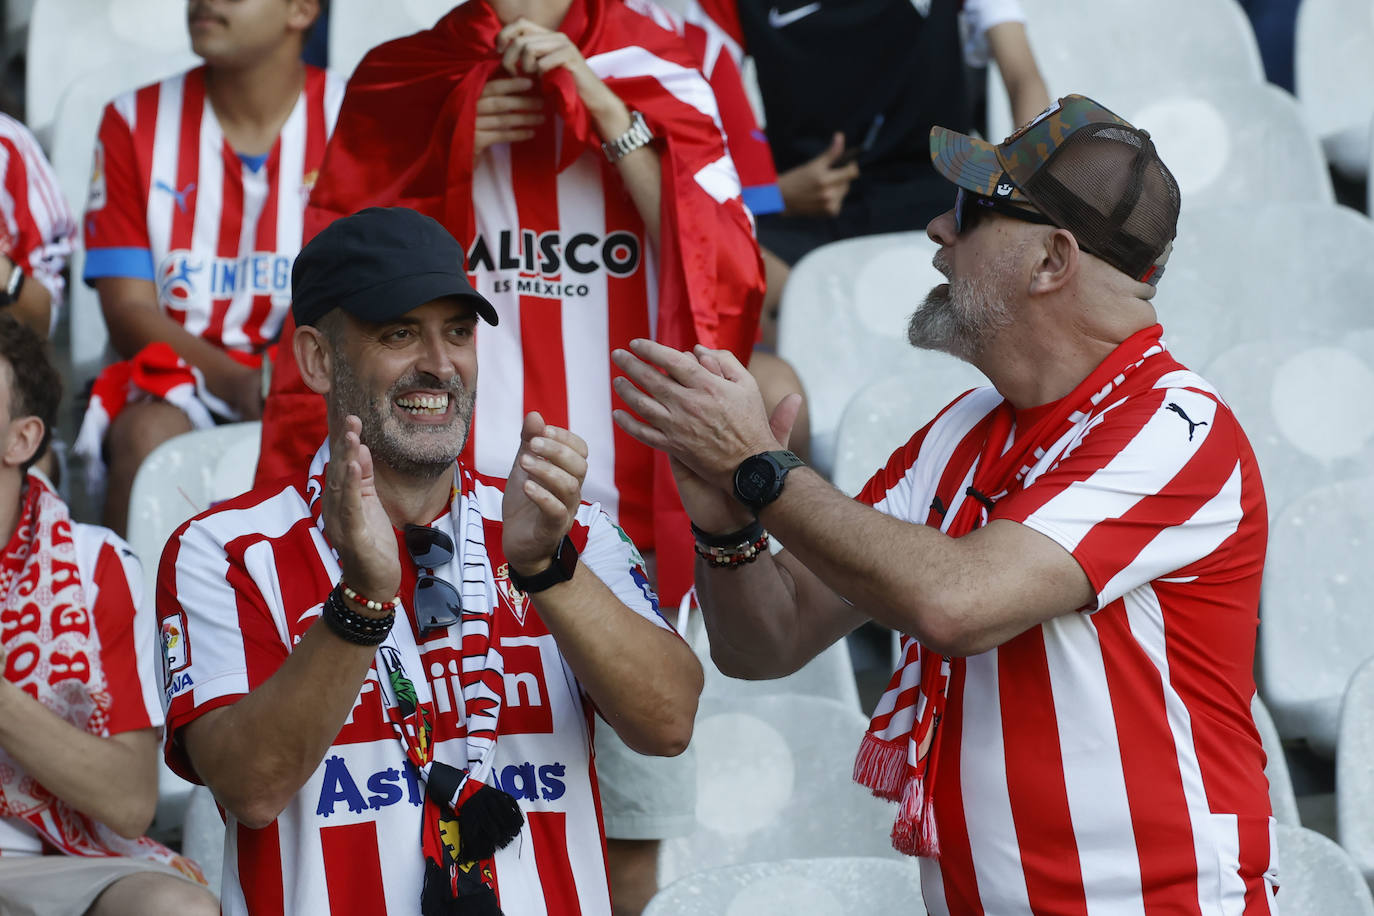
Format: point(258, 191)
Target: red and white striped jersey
point(242, 582)
point(1107, 761)
point(171, 202)
point(37, 227)
point(112, 583)
point(565, 259)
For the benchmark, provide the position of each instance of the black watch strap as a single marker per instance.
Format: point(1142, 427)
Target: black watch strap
point(13, 286)
point(560, 570)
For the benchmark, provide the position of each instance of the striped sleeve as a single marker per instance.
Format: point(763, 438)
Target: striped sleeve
point(1152, 486)
point(38, 225)
point(113, 580)
point(116, 224)
point(219, 638)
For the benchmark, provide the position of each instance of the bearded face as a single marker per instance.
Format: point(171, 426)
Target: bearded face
point(961, 317)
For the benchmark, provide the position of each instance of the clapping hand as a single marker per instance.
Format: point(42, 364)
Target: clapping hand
point(355, 522)
point(543, 493)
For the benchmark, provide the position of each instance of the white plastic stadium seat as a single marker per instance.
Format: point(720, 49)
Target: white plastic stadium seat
point(1232, 142)
point(1264, 271)
point(795, 887)
point(1123, 44)
point(774, 781)
point(1333, 70)
point(68, 38)
point(1317, 878)
point(357, 26)
point(883, 415)
point(202, 836)
point(183, 477)
point(1281, 796)
point(1355, 770)
point(1315, 628)
point(73, 143)
point(1303, 407)
point(843, 321)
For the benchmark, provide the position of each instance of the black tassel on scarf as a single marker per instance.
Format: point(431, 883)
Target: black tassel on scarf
point(487, 821)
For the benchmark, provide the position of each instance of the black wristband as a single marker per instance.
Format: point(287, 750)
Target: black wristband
point(352, 626)
point(746, 535)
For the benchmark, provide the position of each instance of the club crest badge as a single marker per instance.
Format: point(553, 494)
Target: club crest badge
point(514, 600)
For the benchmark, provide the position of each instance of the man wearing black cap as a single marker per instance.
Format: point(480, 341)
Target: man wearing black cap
point(424, 746)
point(1074, 553)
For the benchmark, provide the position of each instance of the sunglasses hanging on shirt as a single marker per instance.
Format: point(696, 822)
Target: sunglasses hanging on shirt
point(436, 602)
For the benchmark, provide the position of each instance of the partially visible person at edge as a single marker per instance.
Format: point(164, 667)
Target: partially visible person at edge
point(37, 230)
point(849, 137)
point(389, 664)
point(79, 710)
point(194, 214)
point(574, 149)
point(1074, 554)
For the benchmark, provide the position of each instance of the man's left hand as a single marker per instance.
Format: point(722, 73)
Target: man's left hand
point(528, 49)
point(542, 494)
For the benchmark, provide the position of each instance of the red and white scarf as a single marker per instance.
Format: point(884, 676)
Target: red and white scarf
point(407, 697)
point(898, 755)
point(53, 655)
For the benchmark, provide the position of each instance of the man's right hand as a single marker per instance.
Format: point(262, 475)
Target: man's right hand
point(355, 522)
point(818, 187)
point(507, 112)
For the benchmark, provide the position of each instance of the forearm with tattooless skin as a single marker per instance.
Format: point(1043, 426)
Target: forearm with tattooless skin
point(113, 780)
point(257, 753)
point(640, 171)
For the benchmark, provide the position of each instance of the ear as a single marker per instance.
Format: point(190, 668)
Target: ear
point(1058, 264)
point(22, 443)
point(303, 14)
point(314, 358)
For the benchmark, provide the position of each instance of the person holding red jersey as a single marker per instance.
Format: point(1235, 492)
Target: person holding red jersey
point(194, 214)
point(79, 709)
point(1074, 554)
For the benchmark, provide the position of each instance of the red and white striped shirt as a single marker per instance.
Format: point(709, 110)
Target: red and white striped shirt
point(1107, 762)
point(242, 582)
point(37, 228)
point(565, 259)
point(173, 203)
point(112, 584)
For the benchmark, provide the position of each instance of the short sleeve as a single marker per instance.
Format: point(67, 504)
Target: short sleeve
point(613, 557)
point(1152, 489)
point(219, 639)
point(976, 18)
point(116, 224)
point(38, 225)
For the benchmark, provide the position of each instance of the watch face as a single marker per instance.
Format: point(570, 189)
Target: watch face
point(755, 479)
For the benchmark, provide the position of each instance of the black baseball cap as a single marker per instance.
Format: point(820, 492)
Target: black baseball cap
point(1088, 170)
point(379, 264)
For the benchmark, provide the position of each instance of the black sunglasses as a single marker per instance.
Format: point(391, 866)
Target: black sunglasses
point(436, 603)
point(970, 208)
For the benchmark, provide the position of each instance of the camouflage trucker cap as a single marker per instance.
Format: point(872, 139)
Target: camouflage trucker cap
point(1086, 169)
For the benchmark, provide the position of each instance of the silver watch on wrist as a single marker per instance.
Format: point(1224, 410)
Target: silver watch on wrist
point(635, 136)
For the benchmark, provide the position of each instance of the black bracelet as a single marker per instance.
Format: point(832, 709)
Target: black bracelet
point(741, 538)
point(352, 626)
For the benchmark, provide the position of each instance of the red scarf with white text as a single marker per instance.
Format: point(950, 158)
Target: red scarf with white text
point(898, 755)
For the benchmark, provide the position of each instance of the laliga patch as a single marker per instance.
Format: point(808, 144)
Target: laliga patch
point(512, 599)
point(176, 652)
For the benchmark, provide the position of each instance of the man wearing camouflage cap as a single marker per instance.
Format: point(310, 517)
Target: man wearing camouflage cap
point(1074, 553)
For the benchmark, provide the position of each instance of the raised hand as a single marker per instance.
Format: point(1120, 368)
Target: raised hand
point(507, 112)
point(355, 522)
point(543, 492)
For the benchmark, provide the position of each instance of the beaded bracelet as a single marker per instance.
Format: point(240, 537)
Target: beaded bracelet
point(352, 626)
point(371, 605)
point(735, 556)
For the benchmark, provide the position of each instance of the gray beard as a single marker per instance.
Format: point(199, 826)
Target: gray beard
point(423, 453)
point(963, 317)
